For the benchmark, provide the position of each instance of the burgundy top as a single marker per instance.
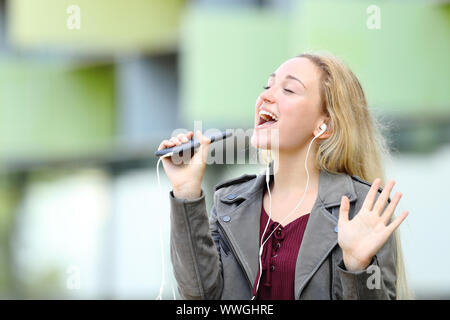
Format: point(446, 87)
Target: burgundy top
point(279, 258)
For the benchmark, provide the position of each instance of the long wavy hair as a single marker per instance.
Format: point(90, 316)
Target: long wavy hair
point(356, 145)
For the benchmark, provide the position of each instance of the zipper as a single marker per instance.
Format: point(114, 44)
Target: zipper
point(233, 250)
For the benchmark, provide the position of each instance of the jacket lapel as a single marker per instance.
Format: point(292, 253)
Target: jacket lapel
point(242, 224)
point(320, 236)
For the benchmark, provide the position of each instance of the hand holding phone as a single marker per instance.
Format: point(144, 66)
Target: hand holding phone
point(186, 178)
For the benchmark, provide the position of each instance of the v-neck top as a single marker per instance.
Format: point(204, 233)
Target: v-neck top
point(279, 257)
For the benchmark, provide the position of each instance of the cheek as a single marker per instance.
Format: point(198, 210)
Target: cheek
point(291, 118)
point(290, 132)
point(295, 125)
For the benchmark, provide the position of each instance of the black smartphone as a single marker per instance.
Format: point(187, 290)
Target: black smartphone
point(191, 145)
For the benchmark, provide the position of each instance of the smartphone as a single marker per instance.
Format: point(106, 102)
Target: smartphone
point(191, 146)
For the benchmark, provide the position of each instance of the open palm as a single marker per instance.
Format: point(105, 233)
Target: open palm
point(361, 237)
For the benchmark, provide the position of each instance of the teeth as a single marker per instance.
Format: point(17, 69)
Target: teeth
point(265, 114)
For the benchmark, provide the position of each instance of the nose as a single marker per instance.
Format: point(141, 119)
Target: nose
point(267, 97)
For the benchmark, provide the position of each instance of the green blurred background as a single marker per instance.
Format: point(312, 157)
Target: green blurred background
point(83, 110)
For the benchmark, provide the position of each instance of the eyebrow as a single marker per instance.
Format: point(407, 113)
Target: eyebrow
point(290, 77)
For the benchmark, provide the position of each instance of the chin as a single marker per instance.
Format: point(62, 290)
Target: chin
point(259, 142)
point(264, 139)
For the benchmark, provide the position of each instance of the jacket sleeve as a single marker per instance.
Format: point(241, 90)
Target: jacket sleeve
point(377, 281)
point(194, 249)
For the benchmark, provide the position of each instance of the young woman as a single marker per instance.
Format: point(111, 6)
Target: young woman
point(259, 241)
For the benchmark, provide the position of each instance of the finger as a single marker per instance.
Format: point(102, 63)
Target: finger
point(384, 196)
point(397, 221)
point(345, 207)
point(204, 146)
point(204, 140)
point(162, 145)
point(175, 140)
point(386, 216)
point(370, 197)
point(182, 137)
point(190, 135)
point(165, 144)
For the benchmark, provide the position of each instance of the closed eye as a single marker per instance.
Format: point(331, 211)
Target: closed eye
point(287, 90)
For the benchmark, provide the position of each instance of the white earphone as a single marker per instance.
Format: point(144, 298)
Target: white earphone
point(323, 128)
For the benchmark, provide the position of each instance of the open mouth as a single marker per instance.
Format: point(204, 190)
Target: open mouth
point(266, 118)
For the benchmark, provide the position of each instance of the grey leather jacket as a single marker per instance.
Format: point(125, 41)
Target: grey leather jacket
point(216, 256)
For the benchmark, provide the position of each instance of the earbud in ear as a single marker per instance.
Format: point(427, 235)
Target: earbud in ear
point(323, 128)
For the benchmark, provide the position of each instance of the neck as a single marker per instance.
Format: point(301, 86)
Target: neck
point(290, 175)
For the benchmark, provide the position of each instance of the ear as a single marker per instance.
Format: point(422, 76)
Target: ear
point(324, 135)
point(327, 133)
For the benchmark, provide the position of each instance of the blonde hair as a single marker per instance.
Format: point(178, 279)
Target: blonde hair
point(356, 145)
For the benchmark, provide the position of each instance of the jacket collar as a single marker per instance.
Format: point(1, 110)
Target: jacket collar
point(331, 188)
point(320, 235)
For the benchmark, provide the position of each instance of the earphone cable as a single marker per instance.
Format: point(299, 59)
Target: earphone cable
point(161, 244)
point(284, 219)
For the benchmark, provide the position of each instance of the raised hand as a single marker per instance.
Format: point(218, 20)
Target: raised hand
point(361, 237)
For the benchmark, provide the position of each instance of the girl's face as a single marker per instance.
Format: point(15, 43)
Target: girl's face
point(292, 95)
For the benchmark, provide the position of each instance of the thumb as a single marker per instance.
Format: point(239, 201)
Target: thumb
point(343, 211)
point(202, 153)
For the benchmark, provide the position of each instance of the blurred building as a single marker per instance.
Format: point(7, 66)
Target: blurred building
point(88, 90)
